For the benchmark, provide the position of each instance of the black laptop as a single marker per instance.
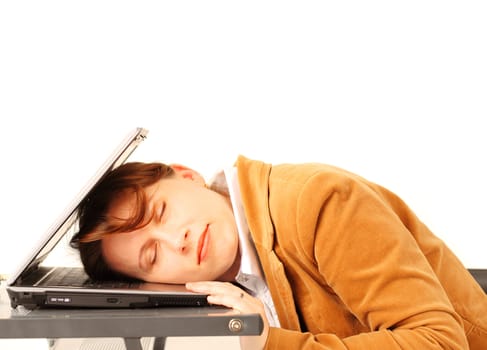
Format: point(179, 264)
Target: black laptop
point(37, 283)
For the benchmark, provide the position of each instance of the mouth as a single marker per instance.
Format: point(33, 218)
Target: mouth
point(202, 249)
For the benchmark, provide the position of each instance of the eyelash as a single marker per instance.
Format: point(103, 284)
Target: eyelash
point(163, 209)
point(161, 215)
point(154, 259)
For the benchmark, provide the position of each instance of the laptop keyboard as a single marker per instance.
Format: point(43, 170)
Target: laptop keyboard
point(76, 277)
point(66, 277)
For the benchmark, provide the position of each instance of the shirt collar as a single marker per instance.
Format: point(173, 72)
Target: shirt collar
point(250, 275)
point(227, 181)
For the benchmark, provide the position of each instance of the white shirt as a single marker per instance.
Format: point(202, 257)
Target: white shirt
point(250, 274)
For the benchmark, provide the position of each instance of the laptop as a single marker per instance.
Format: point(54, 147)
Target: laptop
point(37, 284)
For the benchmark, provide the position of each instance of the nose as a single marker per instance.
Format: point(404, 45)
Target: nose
point(175, 240)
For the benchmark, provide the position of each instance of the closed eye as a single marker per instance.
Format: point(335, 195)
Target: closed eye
point(154, 252)
point(149, 255)
point(162, 211)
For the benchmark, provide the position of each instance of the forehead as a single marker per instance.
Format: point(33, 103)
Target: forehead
point(123, 206)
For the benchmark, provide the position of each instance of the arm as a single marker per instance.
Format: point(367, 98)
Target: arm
point(358, 250)
point(360, 240)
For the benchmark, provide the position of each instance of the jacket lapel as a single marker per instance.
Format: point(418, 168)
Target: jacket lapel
point(253, 179)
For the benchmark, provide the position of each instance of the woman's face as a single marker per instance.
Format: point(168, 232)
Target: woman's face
point(191, 237)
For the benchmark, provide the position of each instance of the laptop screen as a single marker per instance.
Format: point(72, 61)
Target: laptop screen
point(69, 217)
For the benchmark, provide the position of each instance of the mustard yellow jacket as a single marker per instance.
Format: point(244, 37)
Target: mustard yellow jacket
point(350, 266)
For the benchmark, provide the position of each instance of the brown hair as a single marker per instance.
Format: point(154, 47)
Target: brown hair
point(95, 223)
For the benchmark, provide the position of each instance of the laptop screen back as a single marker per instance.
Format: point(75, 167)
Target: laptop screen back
point(69, 216)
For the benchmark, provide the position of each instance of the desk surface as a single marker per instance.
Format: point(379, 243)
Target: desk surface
point(126, 323)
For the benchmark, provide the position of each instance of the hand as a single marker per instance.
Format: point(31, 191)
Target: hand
point(229, 295)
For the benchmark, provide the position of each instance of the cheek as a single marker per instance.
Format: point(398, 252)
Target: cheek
point(225, 249)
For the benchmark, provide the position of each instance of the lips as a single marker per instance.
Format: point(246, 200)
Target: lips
point(202, 249)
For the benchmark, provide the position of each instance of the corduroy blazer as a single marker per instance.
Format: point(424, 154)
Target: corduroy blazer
point(350, 266)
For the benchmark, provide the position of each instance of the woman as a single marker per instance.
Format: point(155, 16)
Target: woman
point(329, 259)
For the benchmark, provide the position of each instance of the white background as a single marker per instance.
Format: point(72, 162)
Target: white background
point(396, 93)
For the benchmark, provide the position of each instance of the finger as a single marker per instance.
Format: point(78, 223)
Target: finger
point(201, 287)
point(241, 302)
point(211, 287)
point(217, 289)
point(226, 294)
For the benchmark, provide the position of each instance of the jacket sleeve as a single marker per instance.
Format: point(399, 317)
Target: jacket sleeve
point(361, 238)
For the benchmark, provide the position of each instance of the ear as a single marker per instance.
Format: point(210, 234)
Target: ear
point(188, 173)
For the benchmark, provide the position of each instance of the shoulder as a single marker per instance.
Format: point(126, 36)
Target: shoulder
point(298, 173)
point(292, 191)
